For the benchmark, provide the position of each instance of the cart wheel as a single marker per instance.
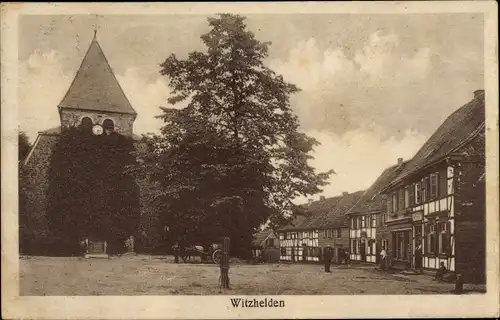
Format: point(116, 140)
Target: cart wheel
point(217, 256)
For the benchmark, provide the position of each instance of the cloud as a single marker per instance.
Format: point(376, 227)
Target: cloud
point(373, 86)
point(146, 97)
point(43, 83)
point(359, 157)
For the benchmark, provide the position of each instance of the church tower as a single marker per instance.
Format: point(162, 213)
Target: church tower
point(95, 98)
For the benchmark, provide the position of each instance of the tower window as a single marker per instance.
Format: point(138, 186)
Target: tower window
point(108, 125)
point(86, 123)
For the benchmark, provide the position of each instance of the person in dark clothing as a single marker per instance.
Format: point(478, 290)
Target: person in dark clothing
point(418, 258)
point(327, 256)
point(441, 272)
point(347, 257)
point(341, 256)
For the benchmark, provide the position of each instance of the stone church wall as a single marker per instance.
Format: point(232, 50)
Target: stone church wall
point(34, 231)
point(33, 224)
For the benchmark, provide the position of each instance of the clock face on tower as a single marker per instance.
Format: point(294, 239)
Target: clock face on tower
point(97, 130)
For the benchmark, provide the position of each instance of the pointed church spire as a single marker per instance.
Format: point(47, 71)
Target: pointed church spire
point(95, 86)
point(96, 27)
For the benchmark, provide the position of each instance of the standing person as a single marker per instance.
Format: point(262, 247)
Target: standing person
point(327, 256)
point(341, 256)
point(418, 258)
point(347, 256)
point(383, 259)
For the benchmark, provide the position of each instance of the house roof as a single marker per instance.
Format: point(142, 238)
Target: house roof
point(322, 214)
point(95, 86)
point(460, 127)
point(372, 200)
point(260, 237)
point(57, 131)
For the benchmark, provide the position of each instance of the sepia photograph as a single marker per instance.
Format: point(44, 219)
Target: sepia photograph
point(251, 156)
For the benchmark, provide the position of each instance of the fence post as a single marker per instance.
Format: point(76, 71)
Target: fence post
point(224, 264)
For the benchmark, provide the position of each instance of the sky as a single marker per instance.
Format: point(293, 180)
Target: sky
point(373, 87)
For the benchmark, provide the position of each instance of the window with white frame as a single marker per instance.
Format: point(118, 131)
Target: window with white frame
point(431, 238)
point(407, 196)
point(401, 199)
point(363, 221)
point(354, 246)
point(434, 186)
point(385, 245)
point(418, 187)
point(425, 189)
point(444, 237)
point(394, 202)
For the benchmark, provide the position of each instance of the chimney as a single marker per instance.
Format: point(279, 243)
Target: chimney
point(400, 161)
point(309, 201)
point(477, 93)
point(322, 198)
point(345, 193)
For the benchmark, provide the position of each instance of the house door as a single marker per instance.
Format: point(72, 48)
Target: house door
point(362, 250)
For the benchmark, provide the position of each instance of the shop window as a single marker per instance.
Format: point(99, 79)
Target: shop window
point(444, 245)
point(400, 242)
point(354, 246)
point(431, 236)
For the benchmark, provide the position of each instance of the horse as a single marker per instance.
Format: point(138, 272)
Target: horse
point(188, 252)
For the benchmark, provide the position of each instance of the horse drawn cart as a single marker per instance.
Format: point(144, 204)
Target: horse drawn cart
point(213, 254)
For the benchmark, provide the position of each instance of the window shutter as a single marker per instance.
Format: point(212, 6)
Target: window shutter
point(412, 194)
point(425, 190)
point(401, 199)
point(433, 186)
point(442, 184)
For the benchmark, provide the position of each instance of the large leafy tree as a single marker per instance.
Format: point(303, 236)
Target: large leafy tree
point(90, 192)
point(24, 145)
point(233, 158)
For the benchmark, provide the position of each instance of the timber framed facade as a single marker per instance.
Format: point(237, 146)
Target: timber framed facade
point(438, 200)
point(317, 225)
point(365, 218)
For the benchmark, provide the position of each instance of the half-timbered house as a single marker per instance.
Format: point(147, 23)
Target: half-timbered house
point(316, 225)
point(265, 246)
point(365, 218)
point(438, 199)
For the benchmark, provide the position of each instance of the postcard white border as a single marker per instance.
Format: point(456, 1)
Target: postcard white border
point(211, 307)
